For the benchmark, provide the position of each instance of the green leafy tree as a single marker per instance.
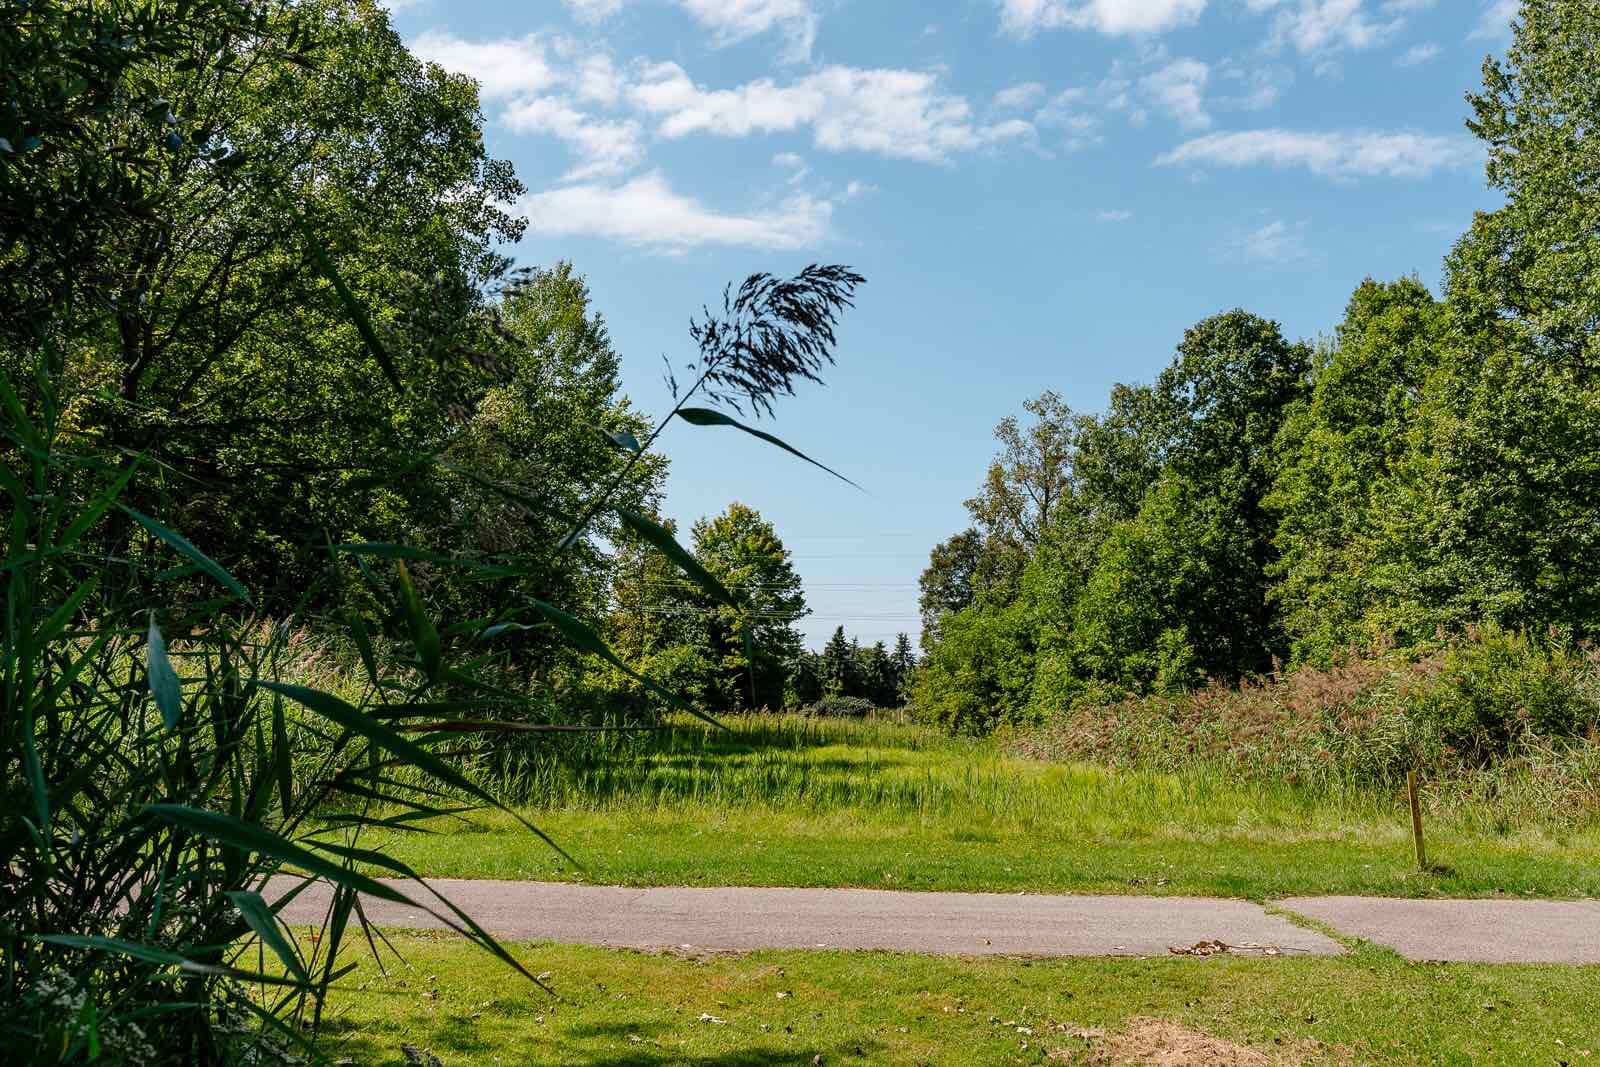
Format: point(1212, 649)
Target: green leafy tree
point(743, 551)
point(1532, 260)
point(216, 303)
point(1160, 586)
point(980, 673)
point(1491, 513)
point(1227, 394)
point(88, 137)
point(1341, 447)
point(523, 463)
point(1032, 478)
point(951, 581)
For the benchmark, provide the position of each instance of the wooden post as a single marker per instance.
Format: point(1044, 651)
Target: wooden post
point(1416, 819)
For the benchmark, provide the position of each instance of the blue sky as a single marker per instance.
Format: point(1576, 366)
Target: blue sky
point(1042, 194)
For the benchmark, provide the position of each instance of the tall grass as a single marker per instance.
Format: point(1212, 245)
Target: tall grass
point(875, 769)
point(1504, 729)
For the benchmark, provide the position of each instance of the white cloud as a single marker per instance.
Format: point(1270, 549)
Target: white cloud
point(646, 211)
point(1276, 242)
point(1417, 54)
point(606, 147)
point(732, 21)
point(1179, 89)
point(1023, 95)
point(1115, 215)
point(1025, 17)
point(1065, 111)
point(1333, 155)
point(795, 164)
point(596, 78)
point(503, 67)
point(897, 113)
point(1495, 22)
point(594, 10)
point(1258, 87)
point(666, 89)
point(1317, 26)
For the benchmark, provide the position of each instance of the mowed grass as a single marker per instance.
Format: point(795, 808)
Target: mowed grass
point(770, 1008)
point(797, 802)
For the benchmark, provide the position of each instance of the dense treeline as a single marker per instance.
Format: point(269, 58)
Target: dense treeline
point(676, 635)
point(197, 330)
point(1429, 468)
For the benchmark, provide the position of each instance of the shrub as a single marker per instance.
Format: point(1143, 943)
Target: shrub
point(1487, 702)
point(1487, 693)
point(842, 707)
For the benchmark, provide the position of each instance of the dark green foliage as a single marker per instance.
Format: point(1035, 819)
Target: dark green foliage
point(1227, 394)
point(841, 707)
point(951, 581)
point(981, 671)
point(840, 669)
point(1532, 261)
point(903, 666)
point(744, 552)
point(1342, 448)
point(158, 781)
point(1497, 689)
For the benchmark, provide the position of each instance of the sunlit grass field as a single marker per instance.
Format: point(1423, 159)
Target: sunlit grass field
point(770, 1008)
point(805, 802)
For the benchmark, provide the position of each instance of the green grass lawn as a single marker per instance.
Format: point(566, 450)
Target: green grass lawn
point(614, 1008)
point(783, 801)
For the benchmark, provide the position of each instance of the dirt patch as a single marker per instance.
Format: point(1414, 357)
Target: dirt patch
point(1158, 1043)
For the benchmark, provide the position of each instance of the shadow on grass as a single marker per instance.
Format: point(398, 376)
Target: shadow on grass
point(585, 1045)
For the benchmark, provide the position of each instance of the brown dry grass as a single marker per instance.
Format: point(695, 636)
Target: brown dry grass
point(1159, 1043)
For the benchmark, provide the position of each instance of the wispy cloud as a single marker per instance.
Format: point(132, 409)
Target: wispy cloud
point(645, 211)
point(1179, 90)
point(895, 113)
point(1253, 87)
point(1015, 97)
point(1418, 54)
point(504, 66)
point(1276, 242)
point(1314, 27)
point(605, 147)
point(1114, 215)
point(1330, 154)
point(1495, 22)
point(732, 21)
point(729, 21)
point(594, 10)
point(1023, 18)
point(1067, 111)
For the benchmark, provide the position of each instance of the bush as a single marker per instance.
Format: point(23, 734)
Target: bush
point(1490, 701)
point(842, 707)
point(979, 673)
point(1485, 695)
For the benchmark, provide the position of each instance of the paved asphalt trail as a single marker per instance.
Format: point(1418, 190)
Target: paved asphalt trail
point(945, 923)
point(982, 924)
point(1469, 931)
